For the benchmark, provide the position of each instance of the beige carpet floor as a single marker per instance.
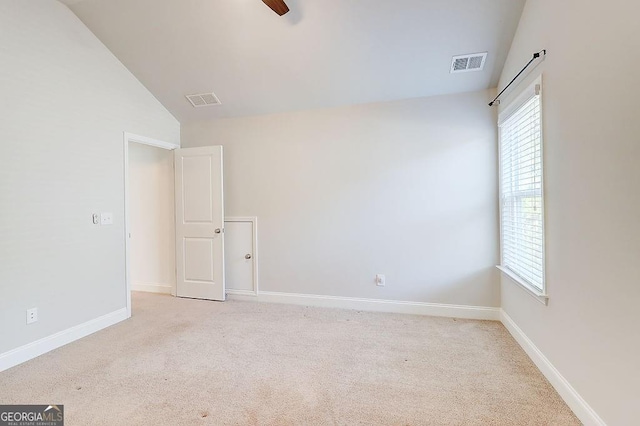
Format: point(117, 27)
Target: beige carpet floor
point(191, 362)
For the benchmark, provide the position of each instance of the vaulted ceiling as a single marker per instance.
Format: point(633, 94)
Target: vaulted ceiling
point(323, 53)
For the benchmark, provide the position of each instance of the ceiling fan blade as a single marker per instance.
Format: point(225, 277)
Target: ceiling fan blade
point(278, 6)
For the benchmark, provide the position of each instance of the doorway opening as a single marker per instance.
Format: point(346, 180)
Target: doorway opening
point(149, 216)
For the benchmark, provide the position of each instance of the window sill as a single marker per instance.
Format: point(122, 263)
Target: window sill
point(535, 293)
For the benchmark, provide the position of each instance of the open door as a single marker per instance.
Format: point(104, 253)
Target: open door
point(199, 223)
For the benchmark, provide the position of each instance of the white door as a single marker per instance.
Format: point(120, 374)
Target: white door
point(199, 223)
point(239, 256)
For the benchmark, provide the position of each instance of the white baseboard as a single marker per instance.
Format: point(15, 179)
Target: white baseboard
point(34, 349)
point(152, 288)
point(582, 410)
point(375, 305)
point(233, 292)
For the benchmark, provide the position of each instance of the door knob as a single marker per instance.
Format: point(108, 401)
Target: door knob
point(247, 256)
point(218, 230)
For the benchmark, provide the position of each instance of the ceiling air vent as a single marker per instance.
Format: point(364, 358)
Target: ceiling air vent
point(466, 63)
point(203, 99)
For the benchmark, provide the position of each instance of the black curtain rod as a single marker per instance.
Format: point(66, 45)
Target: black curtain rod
point(535, 56)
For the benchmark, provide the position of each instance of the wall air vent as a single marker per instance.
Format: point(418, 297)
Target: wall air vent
point(466, 63)
point(203, 100)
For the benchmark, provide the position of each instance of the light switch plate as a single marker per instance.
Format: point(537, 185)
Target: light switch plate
point(106, 218)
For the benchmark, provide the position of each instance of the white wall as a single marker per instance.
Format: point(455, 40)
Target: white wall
point(406, 189)
point(589, 331)
point(151, 218)
point(65, 103)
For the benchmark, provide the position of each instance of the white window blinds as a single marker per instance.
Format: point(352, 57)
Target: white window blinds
point(521, 198)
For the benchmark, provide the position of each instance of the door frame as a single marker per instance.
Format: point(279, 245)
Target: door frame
point(254, 254)
point(133, 138)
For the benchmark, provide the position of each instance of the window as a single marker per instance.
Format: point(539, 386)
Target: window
point(521, 195)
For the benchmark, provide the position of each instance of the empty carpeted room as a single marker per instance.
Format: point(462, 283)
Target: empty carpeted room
point(305, 212)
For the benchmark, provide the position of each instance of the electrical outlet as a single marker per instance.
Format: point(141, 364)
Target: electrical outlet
point(380, 280)
point(32, 315)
